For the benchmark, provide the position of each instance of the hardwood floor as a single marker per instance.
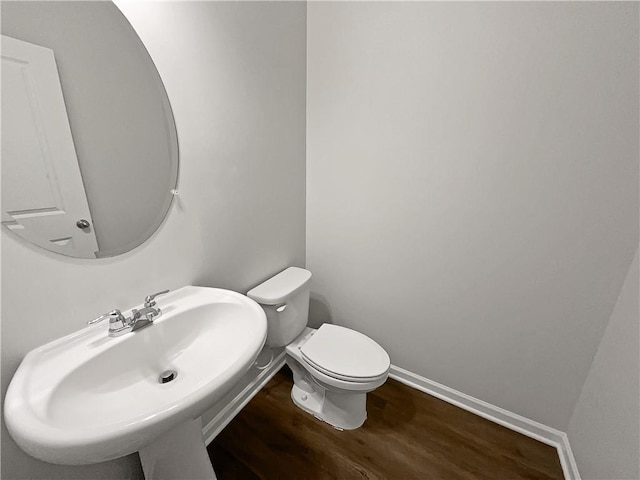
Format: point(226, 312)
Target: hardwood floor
point(408, 435)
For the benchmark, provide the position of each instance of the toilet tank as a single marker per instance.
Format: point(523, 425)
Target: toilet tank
point(285, 300)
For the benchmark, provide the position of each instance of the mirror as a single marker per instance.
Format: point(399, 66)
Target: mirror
point(89, 144)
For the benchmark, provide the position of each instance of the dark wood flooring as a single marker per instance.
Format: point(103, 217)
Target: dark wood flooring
point(408, 435)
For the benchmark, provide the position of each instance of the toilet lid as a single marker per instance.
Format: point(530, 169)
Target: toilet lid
point(342, 352)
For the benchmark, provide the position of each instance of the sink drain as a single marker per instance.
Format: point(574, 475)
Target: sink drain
point(166, 377)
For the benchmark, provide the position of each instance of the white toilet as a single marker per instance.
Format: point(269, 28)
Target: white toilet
point(333, 367)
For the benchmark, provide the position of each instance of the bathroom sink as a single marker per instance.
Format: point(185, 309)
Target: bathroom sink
point(88, 397)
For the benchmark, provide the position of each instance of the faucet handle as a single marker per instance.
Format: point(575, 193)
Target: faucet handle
point(149, 299)
point(113, 315)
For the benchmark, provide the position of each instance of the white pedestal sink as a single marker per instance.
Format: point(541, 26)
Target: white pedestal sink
point(87, 397)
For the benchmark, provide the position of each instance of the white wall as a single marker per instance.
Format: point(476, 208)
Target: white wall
point(235, 76)
point(472, 186)
point(604, 430)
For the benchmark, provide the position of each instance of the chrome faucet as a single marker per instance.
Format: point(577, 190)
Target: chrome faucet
point(119, 324)
point(146, 315)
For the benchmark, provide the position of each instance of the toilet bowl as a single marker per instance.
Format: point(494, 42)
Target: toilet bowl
point(333, 367)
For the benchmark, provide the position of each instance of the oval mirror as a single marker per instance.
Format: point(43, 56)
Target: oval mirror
point(89, 144)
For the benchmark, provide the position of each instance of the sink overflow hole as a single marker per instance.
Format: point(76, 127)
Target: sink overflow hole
point(166, 377)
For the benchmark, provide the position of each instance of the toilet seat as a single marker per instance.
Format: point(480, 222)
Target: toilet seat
point(345, 354)
point(319, 370)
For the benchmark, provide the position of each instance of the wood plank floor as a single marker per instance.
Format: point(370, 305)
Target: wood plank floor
point(408, 435)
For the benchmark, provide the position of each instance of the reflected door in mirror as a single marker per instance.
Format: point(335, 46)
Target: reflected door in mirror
point(43, 197)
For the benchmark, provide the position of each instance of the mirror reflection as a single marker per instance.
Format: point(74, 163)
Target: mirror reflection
point(89, 147)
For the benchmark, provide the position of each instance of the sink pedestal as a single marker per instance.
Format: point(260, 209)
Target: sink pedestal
point(178, 454)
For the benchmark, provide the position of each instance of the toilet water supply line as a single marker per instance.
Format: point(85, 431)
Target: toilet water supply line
point(279, 309)
point(268, 363)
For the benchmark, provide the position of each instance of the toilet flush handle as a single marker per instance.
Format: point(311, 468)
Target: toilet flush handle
point(281, 308)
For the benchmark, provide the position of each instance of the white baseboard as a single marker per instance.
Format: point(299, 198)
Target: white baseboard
point(503, 417)
point(228, 413)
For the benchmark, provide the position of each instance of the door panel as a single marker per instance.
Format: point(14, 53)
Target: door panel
point(42, 191)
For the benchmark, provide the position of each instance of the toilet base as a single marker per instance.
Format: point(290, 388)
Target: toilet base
point(341, 409)
point(310, 403)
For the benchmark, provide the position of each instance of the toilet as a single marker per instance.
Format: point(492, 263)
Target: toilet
point(333, 367)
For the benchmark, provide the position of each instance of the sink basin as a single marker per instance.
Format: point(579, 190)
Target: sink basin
point(88, 397)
